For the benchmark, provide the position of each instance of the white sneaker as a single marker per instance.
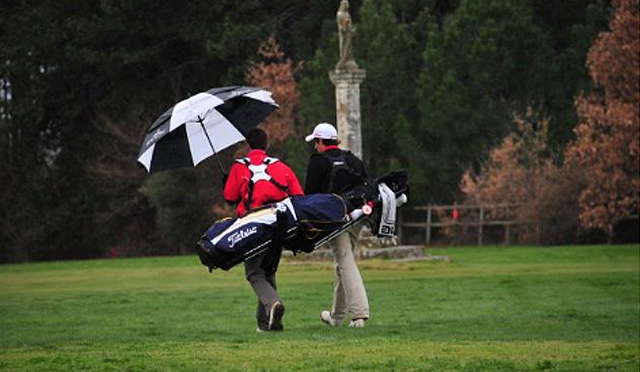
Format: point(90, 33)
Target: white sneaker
point(328, 319)
point(356, 323)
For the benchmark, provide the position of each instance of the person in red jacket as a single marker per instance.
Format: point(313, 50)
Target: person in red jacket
point(254, 181)
point(281, 181)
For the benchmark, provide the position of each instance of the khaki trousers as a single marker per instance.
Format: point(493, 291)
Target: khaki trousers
point(349, 295)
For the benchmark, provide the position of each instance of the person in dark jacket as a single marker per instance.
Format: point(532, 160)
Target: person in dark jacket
point(349, 295)
point(254, 181)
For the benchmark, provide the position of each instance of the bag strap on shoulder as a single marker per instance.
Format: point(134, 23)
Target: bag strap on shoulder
point(260, 172)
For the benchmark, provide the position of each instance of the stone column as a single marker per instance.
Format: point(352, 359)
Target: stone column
point(347, 77)
point(347, 82)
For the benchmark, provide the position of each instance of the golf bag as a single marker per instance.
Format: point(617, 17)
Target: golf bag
point(301, 223)
point(233, 240)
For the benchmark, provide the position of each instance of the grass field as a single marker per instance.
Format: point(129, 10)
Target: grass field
point(489, 309)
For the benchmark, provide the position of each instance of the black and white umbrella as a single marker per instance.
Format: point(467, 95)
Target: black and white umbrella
point(202, 125)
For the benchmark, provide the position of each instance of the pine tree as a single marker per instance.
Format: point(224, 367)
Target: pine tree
point(487, 61)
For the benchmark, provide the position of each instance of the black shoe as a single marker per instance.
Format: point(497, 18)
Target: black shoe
point(275, 316)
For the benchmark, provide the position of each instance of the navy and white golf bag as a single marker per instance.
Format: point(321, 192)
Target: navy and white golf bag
point(303, 223)
point(231, 241)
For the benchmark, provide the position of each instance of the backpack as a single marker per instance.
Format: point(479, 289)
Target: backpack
point(259, 172)
point(342, 177)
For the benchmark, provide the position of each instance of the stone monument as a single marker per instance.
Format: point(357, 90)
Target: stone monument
point(347, 78)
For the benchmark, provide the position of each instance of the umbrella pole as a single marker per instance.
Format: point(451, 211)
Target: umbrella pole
point(211, 144)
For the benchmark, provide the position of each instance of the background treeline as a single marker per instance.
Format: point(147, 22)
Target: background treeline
point(447, 82)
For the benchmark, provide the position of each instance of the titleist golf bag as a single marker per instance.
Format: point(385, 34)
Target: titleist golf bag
point(303, 223)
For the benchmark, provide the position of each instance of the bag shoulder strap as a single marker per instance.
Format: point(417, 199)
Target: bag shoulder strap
point(260, 172)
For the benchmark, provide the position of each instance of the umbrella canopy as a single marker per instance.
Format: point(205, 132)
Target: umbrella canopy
point(202, 125)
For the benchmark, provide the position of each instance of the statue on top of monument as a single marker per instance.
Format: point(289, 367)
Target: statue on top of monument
point(346, 29)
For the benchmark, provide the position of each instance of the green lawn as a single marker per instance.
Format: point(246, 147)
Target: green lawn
point(489, 309)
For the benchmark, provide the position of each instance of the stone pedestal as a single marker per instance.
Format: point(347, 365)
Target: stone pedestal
point(348, 120)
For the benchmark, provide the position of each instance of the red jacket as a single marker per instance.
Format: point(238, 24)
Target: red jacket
point(236, 190)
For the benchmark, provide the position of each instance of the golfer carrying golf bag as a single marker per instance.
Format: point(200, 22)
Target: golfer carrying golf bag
point(333, 170)
point(254, 181)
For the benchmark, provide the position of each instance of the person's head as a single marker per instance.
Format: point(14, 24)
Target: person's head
point(324, 134)
point(258, 139)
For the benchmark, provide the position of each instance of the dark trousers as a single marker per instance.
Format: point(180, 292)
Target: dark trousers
point(260, 271)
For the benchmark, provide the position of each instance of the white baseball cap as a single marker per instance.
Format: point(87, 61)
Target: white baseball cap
point(324, 131)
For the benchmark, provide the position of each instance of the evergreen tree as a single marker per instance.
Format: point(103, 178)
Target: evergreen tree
point(84, 79)
point(573, 26)
point(488, 61)
point(388, 95)
point(81, 81)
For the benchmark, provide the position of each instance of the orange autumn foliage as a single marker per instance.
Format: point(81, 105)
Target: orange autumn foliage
point(521, 172)
point(276, 73)
point(599, 183)
point(512, 173)
point(607, 144)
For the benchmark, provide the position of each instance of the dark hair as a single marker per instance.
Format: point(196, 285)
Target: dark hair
point(328, 142)
point(258, 139)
